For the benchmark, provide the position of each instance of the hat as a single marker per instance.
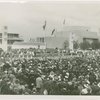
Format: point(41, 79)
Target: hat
point(45, 92)
point(99, 84)
point(84, 91)
point(70, 83)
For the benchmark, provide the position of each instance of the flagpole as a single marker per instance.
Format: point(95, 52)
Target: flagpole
point(45, 39)
point(71, 41)
point(63, 24)
point(44, 29)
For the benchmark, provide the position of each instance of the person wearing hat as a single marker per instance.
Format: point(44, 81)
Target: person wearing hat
point(39, 84)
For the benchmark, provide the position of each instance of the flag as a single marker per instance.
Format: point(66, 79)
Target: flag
point(44, 26)
point(64, 22)
point(53, 31)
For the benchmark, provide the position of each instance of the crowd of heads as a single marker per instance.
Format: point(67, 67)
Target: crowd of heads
point(77, 74)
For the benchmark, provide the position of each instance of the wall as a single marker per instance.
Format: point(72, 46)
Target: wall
point(27, 46)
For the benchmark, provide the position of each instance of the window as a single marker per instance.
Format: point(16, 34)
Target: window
point(5, 33)
point(38, 46)
point(0, 41)
point(5, 27)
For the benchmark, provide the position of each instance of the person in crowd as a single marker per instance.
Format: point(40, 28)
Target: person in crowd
point(23, 73)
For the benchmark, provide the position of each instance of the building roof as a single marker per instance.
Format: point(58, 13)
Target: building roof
point(20, 39)
point(86, 34)
point(68, 28)
point(28, 43)
point(13, 33)
point(82, 33)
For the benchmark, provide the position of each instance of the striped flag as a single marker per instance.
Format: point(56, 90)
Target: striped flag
point(53, 31)
point(44, 26)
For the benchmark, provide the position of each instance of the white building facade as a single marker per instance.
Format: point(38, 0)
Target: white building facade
point(7, 39)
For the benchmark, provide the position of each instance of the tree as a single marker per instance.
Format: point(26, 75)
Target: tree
point(95, 45)
point(85, 45)
point(66, 45)
point(75, 44)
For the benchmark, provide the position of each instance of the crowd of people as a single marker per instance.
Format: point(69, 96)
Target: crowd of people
point(70, 75)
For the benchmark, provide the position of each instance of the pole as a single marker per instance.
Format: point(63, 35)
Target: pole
point(45, 42)
point(4, 38)
point(45, 39)
point(71, 41)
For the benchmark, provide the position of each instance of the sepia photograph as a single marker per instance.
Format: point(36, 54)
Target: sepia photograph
point(50, 48)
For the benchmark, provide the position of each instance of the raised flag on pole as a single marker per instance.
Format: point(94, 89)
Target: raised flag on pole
point(44, 26)
point(53, 31)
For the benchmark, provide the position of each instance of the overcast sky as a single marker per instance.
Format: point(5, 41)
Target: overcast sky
point(28, 18)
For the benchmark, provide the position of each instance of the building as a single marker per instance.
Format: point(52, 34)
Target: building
point(79, 33)
point(28, 45)
point(69, 33)
point(7, 39)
